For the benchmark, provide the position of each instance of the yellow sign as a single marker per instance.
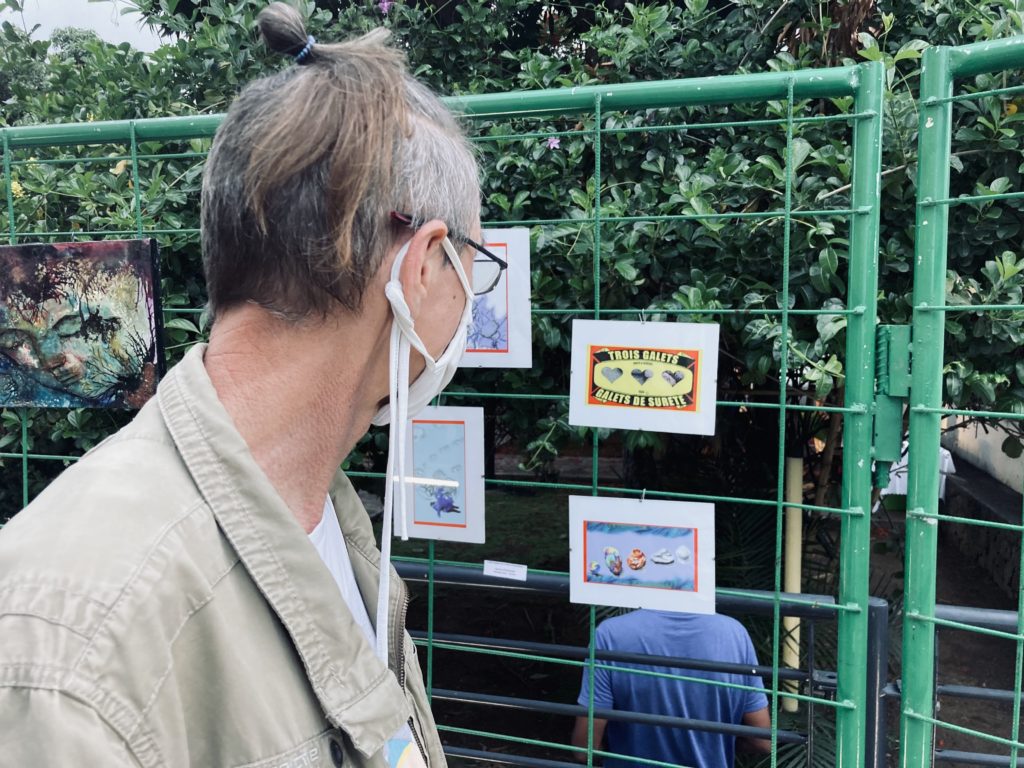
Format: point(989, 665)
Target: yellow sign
point(642, 377)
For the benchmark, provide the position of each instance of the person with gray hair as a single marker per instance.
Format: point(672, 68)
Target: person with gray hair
point(204, 588)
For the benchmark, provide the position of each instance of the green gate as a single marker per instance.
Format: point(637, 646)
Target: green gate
point(943, 69)
point(791, 102)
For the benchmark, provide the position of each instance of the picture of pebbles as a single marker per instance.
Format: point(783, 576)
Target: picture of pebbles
point(613, 540)
point(642, 553)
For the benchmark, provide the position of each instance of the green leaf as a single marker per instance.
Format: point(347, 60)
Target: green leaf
point(182, 324)
point(799, 150)
point(829, 261)
point(771, 163)
point(1000, 185)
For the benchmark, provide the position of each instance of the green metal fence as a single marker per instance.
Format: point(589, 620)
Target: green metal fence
point(945, 71)
point(130, 155)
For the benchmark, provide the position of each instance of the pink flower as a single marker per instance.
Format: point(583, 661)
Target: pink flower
point(385, 6)
point(554, 142)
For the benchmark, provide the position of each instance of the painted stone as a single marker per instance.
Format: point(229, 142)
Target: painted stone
point(637, 559)
point(662, 557)
point(613, 560)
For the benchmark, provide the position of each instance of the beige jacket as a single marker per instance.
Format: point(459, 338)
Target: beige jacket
point(160, 606)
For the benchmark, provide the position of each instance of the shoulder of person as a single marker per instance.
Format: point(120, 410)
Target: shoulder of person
point(121, 543)
point(723, 625)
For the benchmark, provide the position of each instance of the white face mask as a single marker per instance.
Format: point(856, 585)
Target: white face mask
point(406, 401)
point(437, 373)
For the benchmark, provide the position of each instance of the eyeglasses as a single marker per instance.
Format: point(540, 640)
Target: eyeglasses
point(487, 267)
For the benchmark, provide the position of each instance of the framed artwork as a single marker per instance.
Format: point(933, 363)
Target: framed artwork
point(659, 377)
point(642, 554)
point(445, 461)
point(80, 324)
point(500, 336)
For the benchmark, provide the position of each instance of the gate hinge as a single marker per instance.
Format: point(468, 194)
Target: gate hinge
point(892, 388)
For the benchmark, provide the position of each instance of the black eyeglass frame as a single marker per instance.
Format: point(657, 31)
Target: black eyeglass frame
point(408, 220)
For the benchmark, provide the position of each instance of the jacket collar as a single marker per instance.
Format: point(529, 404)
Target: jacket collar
point(357, 693)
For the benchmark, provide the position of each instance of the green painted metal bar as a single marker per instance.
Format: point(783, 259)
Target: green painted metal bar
point(594, 437)
point(916, 728)
point(38, 456)
point(108, 158)
point(976, 198)
point(1007, 415)
point(9, 184)
point(12, 229)
point(967, 521)
point(973, 307)
point(854, 563)
point(1018, 662)
point(430, 621)
point(948, 624)
point(780, 458)
point(978, 58)
point(23, 418)
point(106, 233)
point(136, 183)
point(772, 214)
point(758, 312)
point(719, 403)
point(932, 722)
point(807, 84)
point(113, 131)
point(974, 96)
point(757, 123)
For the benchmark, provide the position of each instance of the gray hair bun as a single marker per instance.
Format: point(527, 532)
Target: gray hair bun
point(284, 31)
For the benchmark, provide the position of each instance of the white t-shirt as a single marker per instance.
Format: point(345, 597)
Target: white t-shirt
point(330, 544)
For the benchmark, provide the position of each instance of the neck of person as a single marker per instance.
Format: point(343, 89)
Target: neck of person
point(300, 394)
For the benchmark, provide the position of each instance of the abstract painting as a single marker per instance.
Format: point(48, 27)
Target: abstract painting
point(642, 553)
point(500, 336)
point(445, 456)
point(79, 324)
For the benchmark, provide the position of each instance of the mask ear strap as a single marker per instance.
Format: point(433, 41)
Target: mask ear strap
point(457, 263)
point(402, 425)
point(399, 349)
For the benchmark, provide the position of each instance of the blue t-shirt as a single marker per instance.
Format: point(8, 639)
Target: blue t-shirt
point(686, 635)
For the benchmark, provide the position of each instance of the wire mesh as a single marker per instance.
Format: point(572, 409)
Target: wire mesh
point(141, 179)
point(963, 89)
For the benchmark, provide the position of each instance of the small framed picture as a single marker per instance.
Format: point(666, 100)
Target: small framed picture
point(642, 554)
point(445, 461)
point(500, 336)
point(80, 324)
point(659, 377)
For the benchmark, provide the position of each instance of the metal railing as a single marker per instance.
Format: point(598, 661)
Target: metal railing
point(739, 603)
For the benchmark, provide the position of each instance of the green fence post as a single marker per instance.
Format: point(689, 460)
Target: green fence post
point(926, 392)
point(857, 425)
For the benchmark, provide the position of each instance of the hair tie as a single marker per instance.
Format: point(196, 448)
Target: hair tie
point(301, 56)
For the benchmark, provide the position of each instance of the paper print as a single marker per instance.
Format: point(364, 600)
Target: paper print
point(500, 336)
point(445, 461)
point(642, 554)
point(659, 377)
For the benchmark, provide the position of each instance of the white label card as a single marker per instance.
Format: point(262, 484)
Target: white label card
point(502, 570)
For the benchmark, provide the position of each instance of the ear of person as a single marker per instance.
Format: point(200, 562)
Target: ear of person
point(423, 263)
